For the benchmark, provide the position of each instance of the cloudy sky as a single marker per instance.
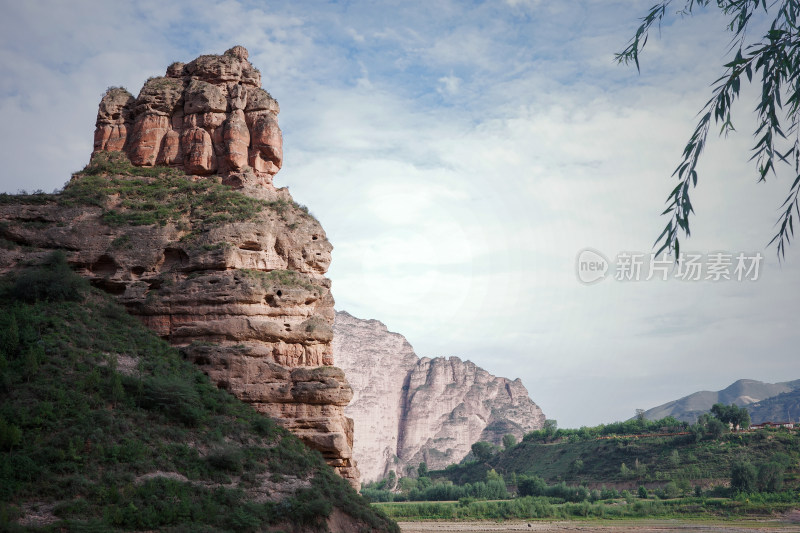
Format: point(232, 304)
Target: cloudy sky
point(460, 155)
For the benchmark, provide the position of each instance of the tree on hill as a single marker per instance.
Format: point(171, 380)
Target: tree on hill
point(716, 428)
point(482, 451)
point(775, 56)
point(770, 476)
point(509, 441)
point(738, 417)
point(743, 476)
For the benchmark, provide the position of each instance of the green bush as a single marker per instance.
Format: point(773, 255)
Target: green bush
point(743, 476)
point(770, 476)
point(52, 281)
point(169, 395)
point(104, 163)
point(670, 490)
point(228, 459)
point(10, 435)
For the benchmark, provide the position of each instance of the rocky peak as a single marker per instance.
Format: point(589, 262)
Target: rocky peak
point(409, 409)
point(208, 116)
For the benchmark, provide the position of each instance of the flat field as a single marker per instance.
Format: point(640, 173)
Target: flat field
point(785, 525)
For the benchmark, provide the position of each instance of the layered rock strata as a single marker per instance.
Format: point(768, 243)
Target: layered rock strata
point(408, 410)
point(244, 297)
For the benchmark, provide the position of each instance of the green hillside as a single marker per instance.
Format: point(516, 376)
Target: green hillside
point(104, 427)
point(630, 462)
point(633, 469)
point(640, 453)
point(590, 474)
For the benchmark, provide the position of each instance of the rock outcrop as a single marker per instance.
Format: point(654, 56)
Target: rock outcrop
point(208, 116)
point(408, 410)
point(235, 278)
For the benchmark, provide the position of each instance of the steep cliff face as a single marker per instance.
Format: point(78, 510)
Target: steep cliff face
point(236, 278)
point(408, 410)
point(376, 363)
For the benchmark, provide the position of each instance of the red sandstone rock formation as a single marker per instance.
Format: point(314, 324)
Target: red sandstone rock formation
point(246, 300)
point(209, 116)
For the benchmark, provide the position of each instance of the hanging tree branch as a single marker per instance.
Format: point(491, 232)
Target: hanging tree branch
point(776, 56)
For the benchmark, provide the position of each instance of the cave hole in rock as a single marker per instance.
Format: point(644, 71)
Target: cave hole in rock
point(250, 245)
point(279, 293)
point(314, 237)
point(213, 281)
point(202, 360)
point(224, 385)
point(175, 258)
point(137, 270)
point(111, 287)
point(104, 266)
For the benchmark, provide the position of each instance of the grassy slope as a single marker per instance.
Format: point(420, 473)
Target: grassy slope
point(659, 459)
point(668, 465)
point(137, 196)
point(78, 436)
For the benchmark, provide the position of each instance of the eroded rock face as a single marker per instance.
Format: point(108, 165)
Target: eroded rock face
point(408, 410)
point(208, 116)
point(247, 300)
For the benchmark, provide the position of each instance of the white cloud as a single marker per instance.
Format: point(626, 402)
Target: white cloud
point(449, 85)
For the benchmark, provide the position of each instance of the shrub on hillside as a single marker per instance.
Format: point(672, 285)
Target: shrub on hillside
point(743, 476)
point(52, 281)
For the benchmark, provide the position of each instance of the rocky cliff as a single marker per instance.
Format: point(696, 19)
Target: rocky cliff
point(205, 250)
point(408, 410)
point(208, 116)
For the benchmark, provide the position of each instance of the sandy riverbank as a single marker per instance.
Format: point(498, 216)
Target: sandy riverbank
point(631, 526)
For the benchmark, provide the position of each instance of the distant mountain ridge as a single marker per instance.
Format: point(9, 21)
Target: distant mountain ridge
point(784, 407)
point(745, 392)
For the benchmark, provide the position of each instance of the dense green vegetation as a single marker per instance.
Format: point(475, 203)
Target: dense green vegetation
point(104, 426)
point(637, 426)
point(742, 505)
point(699, 456)
point(637, 468)
point(422, 489)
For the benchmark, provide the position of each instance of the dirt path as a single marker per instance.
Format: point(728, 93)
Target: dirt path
point(629, 526)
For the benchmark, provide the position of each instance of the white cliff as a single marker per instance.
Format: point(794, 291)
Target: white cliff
point(407, 410)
